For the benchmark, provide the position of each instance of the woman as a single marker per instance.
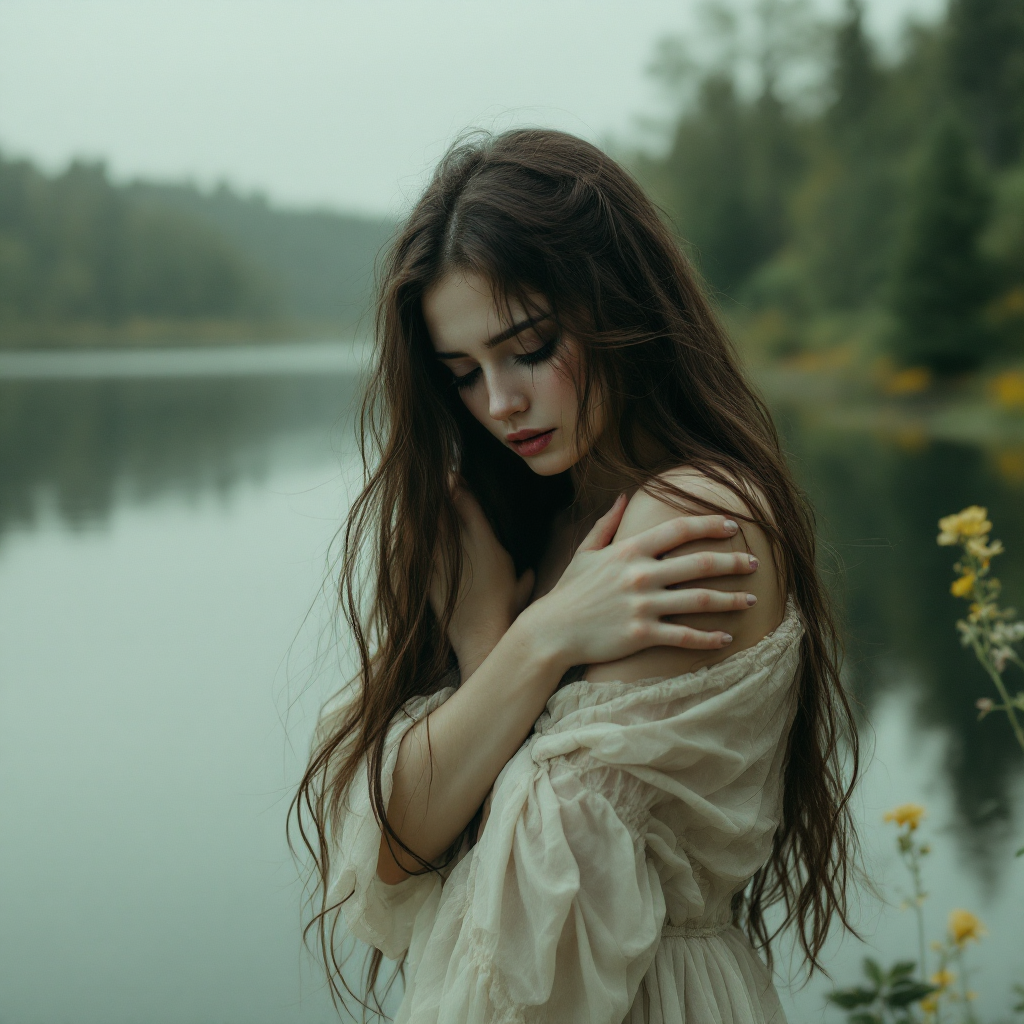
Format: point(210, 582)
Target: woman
point(596, 730)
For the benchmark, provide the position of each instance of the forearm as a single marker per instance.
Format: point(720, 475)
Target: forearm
point(448, 762)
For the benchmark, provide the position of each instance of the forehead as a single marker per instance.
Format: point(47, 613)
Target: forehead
point(461, 313)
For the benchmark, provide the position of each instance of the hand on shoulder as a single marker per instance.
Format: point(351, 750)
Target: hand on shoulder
point(746, 627)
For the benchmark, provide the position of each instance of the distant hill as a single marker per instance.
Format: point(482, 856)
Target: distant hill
point(321, 261)
point(84, 260)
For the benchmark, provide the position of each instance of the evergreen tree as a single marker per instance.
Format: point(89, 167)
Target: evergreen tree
point(707, 171)
point(985, 64)
point(942, 281)
point(846, 208)
point(855, 75)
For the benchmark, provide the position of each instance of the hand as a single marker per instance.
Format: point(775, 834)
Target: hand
point(490, 595)
point(612, 598)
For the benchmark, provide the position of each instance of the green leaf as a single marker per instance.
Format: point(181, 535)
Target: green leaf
point(902, 969)
point(1020, 852)
point(865, 1018)
point(849, 998)
point(874, 971)
point(906, 992)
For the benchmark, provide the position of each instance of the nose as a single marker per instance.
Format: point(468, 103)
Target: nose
point(505, 398)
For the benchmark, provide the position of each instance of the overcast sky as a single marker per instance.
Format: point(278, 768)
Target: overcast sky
point(338, 102)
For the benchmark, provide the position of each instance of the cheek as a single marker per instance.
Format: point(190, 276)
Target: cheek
point(555, 394)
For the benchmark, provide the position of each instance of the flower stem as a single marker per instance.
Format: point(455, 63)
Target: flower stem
point(982, 655)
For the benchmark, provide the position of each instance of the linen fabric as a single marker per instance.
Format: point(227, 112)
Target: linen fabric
point(600, 890)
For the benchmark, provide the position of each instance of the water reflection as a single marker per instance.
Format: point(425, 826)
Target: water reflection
point(82, 446)
point(878, 501)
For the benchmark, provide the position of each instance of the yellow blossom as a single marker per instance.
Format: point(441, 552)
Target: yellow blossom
point(943, 978)
point(964, 586)
point(970, 522)
point(930, 1004)
point(964, 926)
point(906, 814)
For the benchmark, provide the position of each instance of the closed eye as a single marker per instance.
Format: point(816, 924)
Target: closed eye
point(467, 380)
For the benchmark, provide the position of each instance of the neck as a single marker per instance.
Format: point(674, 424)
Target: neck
point(597, 487)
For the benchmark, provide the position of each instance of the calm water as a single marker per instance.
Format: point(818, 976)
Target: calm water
point(165, 639)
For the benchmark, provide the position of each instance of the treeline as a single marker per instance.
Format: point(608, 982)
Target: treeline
point(79, 252)
point(846, 198)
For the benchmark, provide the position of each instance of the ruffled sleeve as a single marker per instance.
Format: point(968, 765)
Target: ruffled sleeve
point(601, 831)
point(377, 913)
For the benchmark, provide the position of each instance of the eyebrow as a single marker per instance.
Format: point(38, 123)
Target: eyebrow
point(511, 332)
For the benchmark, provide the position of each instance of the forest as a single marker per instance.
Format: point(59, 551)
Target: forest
point(839, 199)
point(85, 260)
point(842, 202)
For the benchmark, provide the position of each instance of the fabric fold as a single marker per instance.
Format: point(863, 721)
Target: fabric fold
point(601, 888)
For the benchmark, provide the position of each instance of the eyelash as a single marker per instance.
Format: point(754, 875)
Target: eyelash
point(540, 355)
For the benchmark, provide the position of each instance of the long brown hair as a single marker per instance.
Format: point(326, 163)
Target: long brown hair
point(544, 213)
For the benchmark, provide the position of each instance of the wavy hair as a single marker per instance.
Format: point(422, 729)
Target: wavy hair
point(539, 212)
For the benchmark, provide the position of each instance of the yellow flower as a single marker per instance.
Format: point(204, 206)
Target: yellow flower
point(906, 814)
point(964, 586)
point(930, 1004)
point(1008, 388)
point(964, 926)
point(943, 978)
point(970, 522)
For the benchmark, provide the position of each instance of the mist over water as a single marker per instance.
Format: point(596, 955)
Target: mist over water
point(166, 639)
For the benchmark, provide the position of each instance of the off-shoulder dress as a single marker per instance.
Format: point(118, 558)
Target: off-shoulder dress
point(600, 890)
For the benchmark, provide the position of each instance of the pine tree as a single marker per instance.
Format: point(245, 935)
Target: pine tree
point(985, 66)
point(942, 281)
point(846, 208)
point(855, 76)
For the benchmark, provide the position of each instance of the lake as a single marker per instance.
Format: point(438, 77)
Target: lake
point(167, 634)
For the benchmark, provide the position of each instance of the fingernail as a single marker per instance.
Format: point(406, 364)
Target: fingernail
point(754, 563)
point(751, 599)
point(730, 526)
point(726, 639)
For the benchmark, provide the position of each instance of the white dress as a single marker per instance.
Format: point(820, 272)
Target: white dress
point(600, 890)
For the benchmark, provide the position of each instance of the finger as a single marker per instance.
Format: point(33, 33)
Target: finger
point(673, 532)
point(667, 635)
point(697, 601)
point(603, 530)
point(701, 565)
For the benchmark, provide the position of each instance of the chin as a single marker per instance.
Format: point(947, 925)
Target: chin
point(551, 463)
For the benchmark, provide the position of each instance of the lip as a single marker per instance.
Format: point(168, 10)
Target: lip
point(530, 442)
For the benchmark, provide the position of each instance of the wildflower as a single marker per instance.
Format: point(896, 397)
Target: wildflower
point(1000, 657)
point(980, 611)
point(964, 926)
point(977, 547)
point(930, 1004)
point(943, 978)
point(964, 586)
point(971, 522)
point(906, 814)
point(984, 705)
point(1008, 632)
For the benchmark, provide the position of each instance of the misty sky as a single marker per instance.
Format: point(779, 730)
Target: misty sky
point(339, 102)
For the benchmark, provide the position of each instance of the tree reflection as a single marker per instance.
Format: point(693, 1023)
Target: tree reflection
point(878, 501)
point(80, 447)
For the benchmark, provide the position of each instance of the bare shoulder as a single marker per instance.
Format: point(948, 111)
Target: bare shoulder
point(701, 495)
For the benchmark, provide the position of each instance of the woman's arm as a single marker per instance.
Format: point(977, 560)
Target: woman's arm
point(609, 603)
point(646, 510)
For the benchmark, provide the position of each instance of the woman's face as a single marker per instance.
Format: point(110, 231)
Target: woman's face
point(513, 370)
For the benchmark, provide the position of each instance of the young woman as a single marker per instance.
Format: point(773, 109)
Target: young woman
point(597, 728)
